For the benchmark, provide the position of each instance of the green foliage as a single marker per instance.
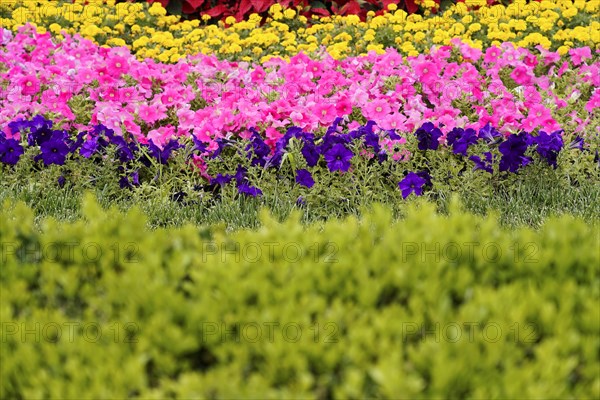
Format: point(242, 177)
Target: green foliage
point(430, 306)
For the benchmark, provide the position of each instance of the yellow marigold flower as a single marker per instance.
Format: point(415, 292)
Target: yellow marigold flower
point(230, 20)
point(55, 28)
point(520, 25)
point(474, 27)
point(592, 7)
point(289, 13)
point(275, 8)
point(164, 57)
point(580, 4)
point(140, 42)
point(461, 9)
point(157, 10)
point(562, 50)
point(116, 42)
point(392, 7)
point(419, 36)
point(401, 15)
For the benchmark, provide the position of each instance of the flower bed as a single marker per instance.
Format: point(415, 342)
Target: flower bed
point(77, 83)
point(486, 108)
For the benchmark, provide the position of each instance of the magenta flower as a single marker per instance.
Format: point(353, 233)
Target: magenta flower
point(325, 113)
point(29, 85)
point(579, 55)
point(377, 109)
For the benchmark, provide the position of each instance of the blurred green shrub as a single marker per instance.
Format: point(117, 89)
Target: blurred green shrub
point(428, 306)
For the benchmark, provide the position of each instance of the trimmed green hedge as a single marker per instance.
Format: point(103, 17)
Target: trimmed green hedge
point(429, 306)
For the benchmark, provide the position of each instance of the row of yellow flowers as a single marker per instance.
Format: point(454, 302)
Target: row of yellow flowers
point(150, 32)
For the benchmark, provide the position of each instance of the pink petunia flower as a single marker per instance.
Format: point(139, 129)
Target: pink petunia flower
point(325, 113)
point(29, 85)
point(578, 55)
point(377, 109)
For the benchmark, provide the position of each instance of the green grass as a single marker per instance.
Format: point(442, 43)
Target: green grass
point(528, 202)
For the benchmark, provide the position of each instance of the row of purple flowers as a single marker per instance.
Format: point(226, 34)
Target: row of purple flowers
point(332, 150)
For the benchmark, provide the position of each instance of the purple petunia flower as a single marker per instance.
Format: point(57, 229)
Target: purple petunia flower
point(338, 158)
point(161, 155)
point(54, 151)
point(222, 143)
point(488, 133)
point(513, 152)
point(461, 145)
point(61, 181)
point(19, 126)
point(38, 137)
point(304, 178)
point(39, 122)
point(329, 141)
point(549, 145)
point(412, 183)
point(10, 151)
point(481, 164)
point(101, 130)
point(310, 153)
point(248, 190)
point(240, 174)
point(125, 150)
point(130, 181)
point(372, 140)
point(393, 135)
point(199, 145)
point(221, 179)
point(259, 149)
point(89, 147)
point(425, 175)
point(334, 126)
point(577, 143)
point(428, 136)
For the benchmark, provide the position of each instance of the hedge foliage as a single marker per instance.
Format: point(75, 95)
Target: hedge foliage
point(429, 306)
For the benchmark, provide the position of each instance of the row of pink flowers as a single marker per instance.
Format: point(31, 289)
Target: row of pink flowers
point(457, 86)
